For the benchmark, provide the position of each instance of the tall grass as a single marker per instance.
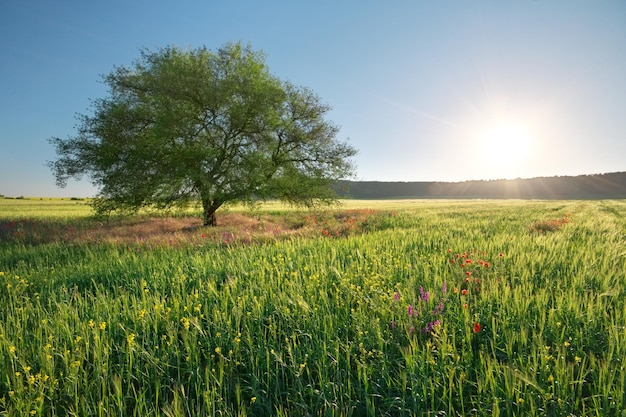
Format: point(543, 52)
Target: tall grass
point(416, 308)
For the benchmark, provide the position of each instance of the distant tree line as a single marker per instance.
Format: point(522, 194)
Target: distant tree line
point(582, 187)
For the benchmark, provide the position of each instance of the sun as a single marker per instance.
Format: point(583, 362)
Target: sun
point(505, 146)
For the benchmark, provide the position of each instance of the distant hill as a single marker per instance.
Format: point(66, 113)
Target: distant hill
point(582, 187)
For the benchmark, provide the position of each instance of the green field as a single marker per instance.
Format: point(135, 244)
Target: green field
point(395, 308)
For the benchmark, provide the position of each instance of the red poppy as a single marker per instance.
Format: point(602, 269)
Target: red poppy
point(464, 292)
point(476, 327)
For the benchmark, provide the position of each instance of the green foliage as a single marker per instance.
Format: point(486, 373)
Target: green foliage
point(187, 125)
point(503, 322)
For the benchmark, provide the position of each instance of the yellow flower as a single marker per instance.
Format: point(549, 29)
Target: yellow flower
point(185, 322)
point(11, 349)
point(578, 359)
point(91, 324)
point(566, 344)
point(520, 401)
point(252, 400)
point(551, 378)
point(103, 325)
point(218, 350)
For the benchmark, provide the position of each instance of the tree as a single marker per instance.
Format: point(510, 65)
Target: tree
point(182, 125)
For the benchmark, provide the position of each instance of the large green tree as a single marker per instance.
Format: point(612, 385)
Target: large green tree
point(181, 125)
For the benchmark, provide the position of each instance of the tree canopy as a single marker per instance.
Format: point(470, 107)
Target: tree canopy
point(183, 125)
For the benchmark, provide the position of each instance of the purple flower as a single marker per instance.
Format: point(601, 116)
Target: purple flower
point(396, 296)
point(429, 326)
point(423, 294)
point(444, 289)
point(410, 310)
point(438, 309)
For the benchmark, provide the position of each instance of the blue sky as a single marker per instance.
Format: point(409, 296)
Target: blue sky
point(425, 90)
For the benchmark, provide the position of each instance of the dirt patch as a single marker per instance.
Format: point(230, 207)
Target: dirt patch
point(232, 228)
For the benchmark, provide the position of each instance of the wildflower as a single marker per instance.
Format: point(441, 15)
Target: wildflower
point(577, 359)
point(444, 289)
point(185, 322)
point(551, 378)
point(396, 296)
point(252, 400)
point(91, 324)
point(103, 325)
point(438, 309)
point(476, 327)
point(429, 326)
point(464, 292)
point(423, 294)
point(410, 310)
point(11, 349)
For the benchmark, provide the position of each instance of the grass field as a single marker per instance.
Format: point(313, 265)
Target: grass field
point(503, 308)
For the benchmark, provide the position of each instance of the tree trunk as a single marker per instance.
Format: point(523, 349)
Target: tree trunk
point(209, 207)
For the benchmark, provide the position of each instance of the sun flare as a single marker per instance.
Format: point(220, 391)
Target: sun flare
point(505, 146)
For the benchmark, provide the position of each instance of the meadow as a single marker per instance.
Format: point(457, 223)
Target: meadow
point(373, 308)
